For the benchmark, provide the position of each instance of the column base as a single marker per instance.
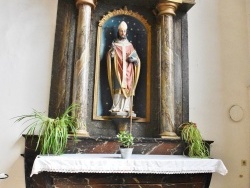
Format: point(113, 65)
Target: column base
point(171, 135)
point(82, 133)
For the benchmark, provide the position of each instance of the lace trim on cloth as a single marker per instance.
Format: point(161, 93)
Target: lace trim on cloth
point(138, 164)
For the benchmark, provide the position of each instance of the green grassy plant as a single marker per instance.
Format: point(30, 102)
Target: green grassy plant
point(52, 132)
point(192, 136)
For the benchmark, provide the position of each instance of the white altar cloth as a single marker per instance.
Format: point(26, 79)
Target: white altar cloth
point(139, 164)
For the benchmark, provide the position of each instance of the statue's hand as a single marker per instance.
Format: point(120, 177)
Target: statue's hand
point(113, 45)
point(112, 53)
point(132, 60)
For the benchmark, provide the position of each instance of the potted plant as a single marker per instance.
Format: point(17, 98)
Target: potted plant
point(52, 132)
point(195, 145)
point(126, 143)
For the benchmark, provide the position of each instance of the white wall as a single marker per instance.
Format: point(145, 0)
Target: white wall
point(219, 78)
point(27, 30)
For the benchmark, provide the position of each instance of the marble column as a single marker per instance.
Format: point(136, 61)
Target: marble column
point(81, 67)
point(166, 11)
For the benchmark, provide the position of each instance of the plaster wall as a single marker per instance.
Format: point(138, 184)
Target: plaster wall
point(219, 78)
point(27, 30)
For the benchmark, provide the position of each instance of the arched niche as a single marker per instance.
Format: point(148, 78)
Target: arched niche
point(139, 33)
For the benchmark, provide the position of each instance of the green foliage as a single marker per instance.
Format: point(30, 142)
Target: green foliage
point(192, 136)
point(126, 139)
point(52, 133)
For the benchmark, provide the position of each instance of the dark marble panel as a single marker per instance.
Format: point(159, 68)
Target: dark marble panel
point(80, 180)
point(147, 146)
point(185, 68)
point(42, 180)
point(63, 57)
point(141, 146)
point(102, 180)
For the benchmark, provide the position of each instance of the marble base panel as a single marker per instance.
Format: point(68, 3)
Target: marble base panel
point(82, 180)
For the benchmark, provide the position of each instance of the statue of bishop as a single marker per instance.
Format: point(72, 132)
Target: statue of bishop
point(123, 66)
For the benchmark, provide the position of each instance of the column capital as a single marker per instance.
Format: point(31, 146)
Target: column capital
point(92, 3)
point(167, 6)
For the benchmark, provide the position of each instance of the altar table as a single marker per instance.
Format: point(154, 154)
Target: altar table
point(137, 164)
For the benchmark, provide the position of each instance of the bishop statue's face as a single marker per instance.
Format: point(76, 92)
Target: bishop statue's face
point(122, 33)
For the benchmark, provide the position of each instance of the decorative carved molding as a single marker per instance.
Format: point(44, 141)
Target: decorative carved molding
point(189, 1)
point(92, 3)
point(166, 8)
point(124, 11)
point(175, 1)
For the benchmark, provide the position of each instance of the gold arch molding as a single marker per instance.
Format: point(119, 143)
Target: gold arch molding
point(127, 12)
point(145, 23)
